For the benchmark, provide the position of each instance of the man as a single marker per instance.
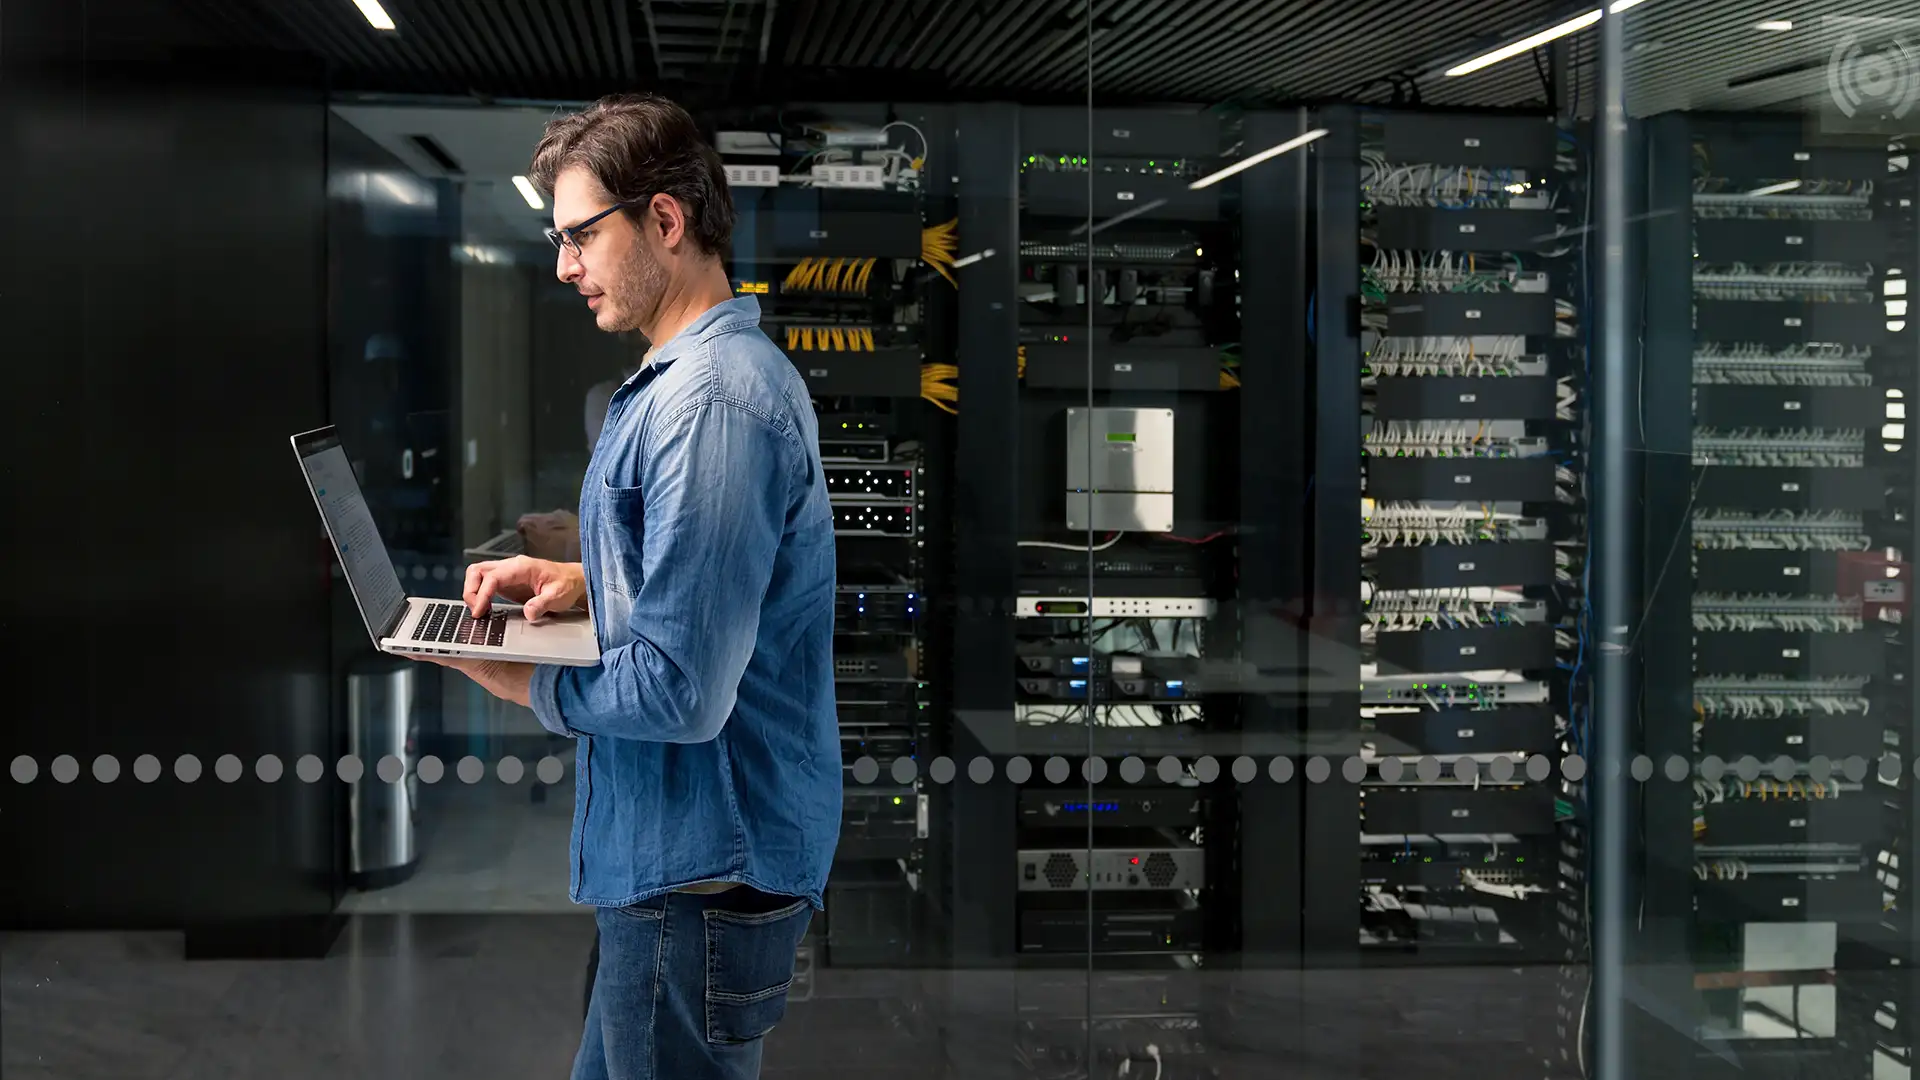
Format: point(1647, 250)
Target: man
point(707, 798)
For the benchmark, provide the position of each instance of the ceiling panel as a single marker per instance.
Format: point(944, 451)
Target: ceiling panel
point(1683, 53)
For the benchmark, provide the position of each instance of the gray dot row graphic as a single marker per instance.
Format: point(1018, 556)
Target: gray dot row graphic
point(268, 768)
point(390, 769)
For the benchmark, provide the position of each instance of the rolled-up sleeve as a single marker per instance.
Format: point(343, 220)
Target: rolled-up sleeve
point(716, 483)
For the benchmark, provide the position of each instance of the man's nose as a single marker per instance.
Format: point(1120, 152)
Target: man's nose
point(567, 268)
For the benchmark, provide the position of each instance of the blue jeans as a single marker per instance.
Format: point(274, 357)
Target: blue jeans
point(687, 985)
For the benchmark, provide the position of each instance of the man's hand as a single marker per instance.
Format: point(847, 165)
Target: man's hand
point(546, 588)
point(553, 536)
point(504, 679)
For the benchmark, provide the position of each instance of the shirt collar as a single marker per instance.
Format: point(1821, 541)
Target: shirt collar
point(726, 316)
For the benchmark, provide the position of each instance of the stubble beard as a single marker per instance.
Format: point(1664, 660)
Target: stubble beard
point(637, 293)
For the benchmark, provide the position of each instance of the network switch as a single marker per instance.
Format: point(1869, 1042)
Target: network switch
point(1115, 607)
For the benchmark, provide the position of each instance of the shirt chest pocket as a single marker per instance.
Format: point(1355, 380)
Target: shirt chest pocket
point(622, 536)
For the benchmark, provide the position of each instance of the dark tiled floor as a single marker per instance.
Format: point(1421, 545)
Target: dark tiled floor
point(483, 996)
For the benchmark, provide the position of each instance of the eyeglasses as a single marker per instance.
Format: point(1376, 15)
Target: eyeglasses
point(568, 239)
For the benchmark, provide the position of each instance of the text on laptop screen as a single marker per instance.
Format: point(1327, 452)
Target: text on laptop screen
point(363, 555)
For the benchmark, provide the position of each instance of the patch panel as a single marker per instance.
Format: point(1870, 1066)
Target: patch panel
point(867, 519)
point(871, 483)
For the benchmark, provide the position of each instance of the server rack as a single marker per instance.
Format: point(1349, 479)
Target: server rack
point(1458, 352)
point(847, 265)
point(1778, 659)
point(1048, 638)
point(1127, 357)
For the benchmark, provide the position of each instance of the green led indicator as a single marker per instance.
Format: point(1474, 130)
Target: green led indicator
point(1063, 161)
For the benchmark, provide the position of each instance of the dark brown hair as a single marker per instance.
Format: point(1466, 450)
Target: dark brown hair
point(637, 146)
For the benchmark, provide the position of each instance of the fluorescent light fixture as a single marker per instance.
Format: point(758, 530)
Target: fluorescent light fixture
point(1249, 162)
point(1526, 45)
point(1775, 189)
point(377, 16)
point(1775, 25)
point(528, 192)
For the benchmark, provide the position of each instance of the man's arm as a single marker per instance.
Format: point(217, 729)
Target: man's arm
point(716, 485)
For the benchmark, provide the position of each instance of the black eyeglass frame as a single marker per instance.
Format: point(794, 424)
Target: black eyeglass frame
point(567, 239)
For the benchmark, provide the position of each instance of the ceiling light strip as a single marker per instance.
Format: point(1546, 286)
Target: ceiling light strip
point(1552, 33)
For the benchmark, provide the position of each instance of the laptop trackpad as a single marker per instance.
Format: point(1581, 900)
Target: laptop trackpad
point(569, 634)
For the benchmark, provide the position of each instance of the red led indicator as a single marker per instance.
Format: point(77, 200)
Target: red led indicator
point(1135, 860)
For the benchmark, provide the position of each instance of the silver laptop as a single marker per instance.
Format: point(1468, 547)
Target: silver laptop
point(500, 546)
point(416, 625)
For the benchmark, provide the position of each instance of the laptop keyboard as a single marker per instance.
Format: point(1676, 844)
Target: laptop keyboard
point(449, 624)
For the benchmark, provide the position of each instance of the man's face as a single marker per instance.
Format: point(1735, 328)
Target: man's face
point(618, 268)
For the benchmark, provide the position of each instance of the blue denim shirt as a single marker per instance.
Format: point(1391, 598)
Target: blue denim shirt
point(709, 744)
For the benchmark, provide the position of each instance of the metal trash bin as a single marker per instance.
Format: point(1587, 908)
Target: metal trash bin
point(383, 847)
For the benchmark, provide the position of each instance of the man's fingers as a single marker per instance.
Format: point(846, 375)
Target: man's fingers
point(545, 600)
point(483, 597)
point(476, 573)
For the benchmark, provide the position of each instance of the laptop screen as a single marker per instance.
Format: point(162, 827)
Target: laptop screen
point(363, 555)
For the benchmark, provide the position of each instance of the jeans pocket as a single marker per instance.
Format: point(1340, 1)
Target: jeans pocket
point(750, 961)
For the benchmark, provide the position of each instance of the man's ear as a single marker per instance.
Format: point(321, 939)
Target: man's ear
point(668, 219)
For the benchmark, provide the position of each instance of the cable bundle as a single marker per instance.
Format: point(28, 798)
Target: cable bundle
point(1800, 365)
point(1441, 271)
point(1801, 448)
point(1452, 356)
point(1830, 614)
point(936, 387)
point(1780, 530)
point(938, 246)
point(1825, 282)
point(1435, 438)
point(1741, 696)
point(830, 339)
point(829, 276)
point(1415, 525)
point(1450, 186)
